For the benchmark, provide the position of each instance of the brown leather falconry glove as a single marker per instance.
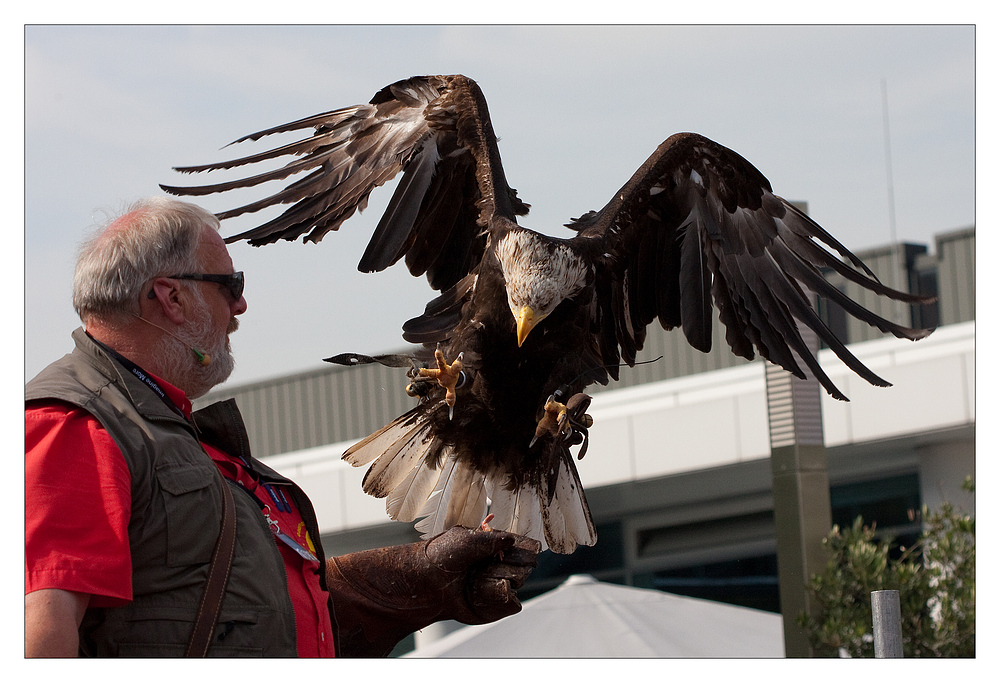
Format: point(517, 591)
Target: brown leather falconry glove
point(380, 596)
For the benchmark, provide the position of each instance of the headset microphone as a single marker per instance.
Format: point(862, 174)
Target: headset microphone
point(200, 357)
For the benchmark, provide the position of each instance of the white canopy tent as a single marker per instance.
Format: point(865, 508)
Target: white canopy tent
point(584, 617)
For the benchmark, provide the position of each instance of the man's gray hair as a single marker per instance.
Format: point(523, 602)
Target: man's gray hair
point(154, 237)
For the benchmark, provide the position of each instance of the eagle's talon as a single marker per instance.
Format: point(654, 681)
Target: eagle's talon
point(448, 375)
point(568, 421)
point(554, 421)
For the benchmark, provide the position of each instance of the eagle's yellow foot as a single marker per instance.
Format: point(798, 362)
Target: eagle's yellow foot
point(448, 375)
point(569, 421)
point(553, 422)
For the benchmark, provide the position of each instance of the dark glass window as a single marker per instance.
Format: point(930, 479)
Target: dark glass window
point(605, 561)
point(833, 316)
point(747, 582)
point(892, 504)
point(925, 315)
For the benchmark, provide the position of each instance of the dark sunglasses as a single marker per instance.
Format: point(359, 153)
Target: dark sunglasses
point(232, 282)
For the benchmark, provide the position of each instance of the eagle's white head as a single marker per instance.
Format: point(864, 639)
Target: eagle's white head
point(539, 274)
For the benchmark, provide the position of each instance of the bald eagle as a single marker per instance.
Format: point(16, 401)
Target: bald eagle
point(525, 322)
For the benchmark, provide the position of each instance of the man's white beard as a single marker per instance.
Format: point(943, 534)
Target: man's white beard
point(178, 355)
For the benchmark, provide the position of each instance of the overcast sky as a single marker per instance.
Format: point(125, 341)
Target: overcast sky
point(110, 110)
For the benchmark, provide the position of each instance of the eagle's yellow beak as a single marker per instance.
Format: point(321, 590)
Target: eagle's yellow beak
point(525, 322)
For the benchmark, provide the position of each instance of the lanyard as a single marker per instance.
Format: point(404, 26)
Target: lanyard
point(231, 471)
point(144, 376)
point(277, 497)
point(285, 538)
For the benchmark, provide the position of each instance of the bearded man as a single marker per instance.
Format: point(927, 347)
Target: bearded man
point(129, 493)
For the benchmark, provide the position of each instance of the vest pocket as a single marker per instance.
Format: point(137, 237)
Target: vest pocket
point(157, 631)
point(193, 506)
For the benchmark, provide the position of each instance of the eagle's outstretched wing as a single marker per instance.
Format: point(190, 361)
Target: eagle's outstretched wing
point(436, 130)
point(698, 222)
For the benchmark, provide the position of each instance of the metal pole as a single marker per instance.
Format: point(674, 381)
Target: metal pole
point(887, 624)
point(899, 313)
point(801, 489)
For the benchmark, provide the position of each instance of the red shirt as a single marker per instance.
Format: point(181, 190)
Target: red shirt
point(77, 492)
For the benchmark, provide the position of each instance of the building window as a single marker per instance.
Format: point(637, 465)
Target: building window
point(604, 561)
point(833, 316)
point(747, 582)
point(892, 504)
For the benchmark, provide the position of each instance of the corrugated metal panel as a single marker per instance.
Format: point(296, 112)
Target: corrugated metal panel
point(333, 404)
point(318, 407)
point(793, 404)
point(953, 267)
point(957, 276)
point(678, 357)
point(893, 268)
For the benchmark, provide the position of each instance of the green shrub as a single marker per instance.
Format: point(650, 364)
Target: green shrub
point(935, 577)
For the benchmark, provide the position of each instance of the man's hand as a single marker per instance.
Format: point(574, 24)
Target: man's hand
point(382, 595)
point(52, 620)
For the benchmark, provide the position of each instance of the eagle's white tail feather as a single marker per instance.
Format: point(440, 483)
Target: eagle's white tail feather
point(567, 519)
point(392, 468)
point(436, 507)
point(459, 497)
point(467, 498)
point(454, 493)
point(518, 511)
point(528, 515)
point(374, 445)
point(409, 498)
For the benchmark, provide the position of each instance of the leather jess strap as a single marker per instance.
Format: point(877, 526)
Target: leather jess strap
point(218, 576)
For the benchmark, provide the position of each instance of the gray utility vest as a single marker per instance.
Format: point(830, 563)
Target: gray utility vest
point(176, 516)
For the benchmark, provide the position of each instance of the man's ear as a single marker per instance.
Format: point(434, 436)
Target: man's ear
point(166, 298)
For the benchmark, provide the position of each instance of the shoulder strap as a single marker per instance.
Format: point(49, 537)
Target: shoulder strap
point(218, 576)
